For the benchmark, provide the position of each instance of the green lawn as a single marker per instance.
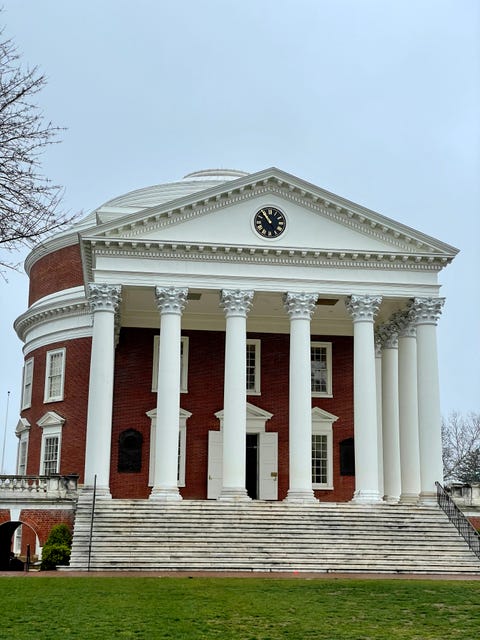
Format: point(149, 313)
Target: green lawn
point(40, 608)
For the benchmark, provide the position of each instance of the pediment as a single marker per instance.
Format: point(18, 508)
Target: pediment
point(320, 415)
point(253, 413)
point(319, 226)
point(50, 419)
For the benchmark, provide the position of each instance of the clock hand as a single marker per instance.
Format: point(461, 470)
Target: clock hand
point(266, 217)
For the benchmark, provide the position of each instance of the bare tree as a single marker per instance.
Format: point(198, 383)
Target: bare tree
point(29, 202)
point(461, 447)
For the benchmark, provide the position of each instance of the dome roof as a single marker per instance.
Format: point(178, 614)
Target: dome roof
point(162, 193)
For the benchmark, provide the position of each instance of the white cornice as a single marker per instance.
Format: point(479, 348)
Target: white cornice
point(248, 254)
point(36, 316)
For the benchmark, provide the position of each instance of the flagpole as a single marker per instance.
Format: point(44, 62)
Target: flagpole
point(5, 434)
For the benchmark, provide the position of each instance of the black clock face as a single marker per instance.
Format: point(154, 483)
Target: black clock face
point(269, 222)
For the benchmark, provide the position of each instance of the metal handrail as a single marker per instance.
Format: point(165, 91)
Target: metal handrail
point(91, 520)
point(456, 517)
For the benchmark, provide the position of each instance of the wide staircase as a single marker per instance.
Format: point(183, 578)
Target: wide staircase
point(192, 536)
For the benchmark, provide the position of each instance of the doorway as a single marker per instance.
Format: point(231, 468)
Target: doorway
point(251, 466)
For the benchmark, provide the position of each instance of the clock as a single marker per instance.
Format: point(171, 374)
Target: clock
point(269, 222)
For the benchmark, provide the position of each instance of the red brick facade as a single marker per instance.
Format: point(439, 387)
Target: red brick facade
point(73, 408)
point(134, 359)
point(56, 271)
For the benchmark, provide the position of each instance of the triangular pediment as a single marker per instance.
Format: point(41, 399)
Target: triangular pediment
point(50, 419)
point(320, 415)
point(253, 412)
point(321, 229)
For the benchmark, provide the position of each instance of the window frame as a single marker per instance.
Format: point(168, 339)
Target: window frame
point(48, 366)
point(328, 346)
point(322, 424)
point(182, 446)
point(27, 385)
point(51, 424)
point(256, 390)
point(184, 357)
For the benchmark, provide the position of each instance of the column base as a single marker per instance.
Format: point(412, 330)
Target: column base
point(409, 498)
point(300, 496)
point(391, 499)
point(165, 494)
point(428, 499)
point(234, 494)
point(366, 496)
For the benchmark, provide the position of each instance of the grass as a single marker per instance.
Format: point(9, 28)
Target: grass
point(41, 608)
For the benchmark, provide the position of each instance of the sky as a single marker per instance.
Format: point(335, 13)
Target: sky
point(377, 101)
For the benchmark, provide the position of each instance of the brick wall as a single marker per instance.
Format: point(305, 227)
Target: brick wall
point(134, 358)
point(73, 408)
point(4, 515)
point(42, 521)
point(56, 271)
point(475, 521)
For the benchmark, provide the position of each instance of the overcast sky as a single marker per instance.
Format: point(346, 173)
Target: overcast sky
point(375, 100)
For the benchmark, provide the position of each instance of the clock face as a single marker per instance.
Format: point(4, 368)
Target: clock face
point(269, 222)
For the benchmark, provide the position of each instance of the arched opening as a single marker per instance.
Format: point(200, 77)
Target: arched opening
point(14, 538)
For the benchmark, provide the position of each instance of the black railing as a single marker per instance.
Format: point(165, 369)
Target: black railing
point(464, 527)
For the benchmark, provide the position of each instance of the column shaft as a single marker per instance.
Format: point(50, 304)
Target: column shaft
point(171, 303)
point(236, 305)
point(104, 300)
point(390, 421)
point(430, 436)
point(300, 307)
point(363, 310)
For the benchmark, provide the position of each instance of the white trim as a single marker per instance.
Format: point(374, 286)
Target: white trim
point(57, 336)
point(256, 390)
point(322, 424)
point(27, 390)
point(184, 341)
point(329, 392)
point(51, 423)
point(48, 365)
point(22, 442)
point(182, 445)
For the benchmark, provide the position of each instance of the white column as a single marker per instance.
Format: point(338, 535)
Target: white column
point(408, 407)
point(427, 313)
point(300, 308)
point(171, 303)
point(236, 305)
point(104, 300)
point(390, 414)
point(363, 310)
point(378, 385)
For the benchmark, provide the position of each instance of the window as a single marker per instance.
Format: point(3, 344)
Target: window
point(322, 448)
point(50, 455)
point(253, 367)
point(54, 375)
point(27, 384)
point(130, 451)
point(321, 369)
point(319, 459)
point(52, 424)
point(183, 363)
point(22, 458)
point(22, 432)
point(182, 446)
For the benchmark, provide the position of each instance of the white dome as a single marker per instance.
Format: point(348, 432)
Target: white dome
point(162, 193)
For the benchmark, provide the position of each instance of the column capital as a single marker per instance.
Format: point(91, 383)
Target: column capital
point(363, 308)
point(299, 304)
point(171, 299)
point(405, 322)
point(236, 302)
point(388, 334)
point(104, 297)
point(427, 310)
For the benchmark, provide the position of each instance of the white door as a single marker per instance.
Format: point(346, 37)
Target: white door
point(268, 467)
point(215, 464)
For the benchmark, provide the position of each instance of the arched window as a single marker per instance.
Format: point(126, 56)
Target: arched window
point(347, 457)
point(130, 451)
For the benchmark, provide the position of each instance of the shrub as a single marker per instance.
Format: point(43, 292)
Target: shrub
point(57, 547)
